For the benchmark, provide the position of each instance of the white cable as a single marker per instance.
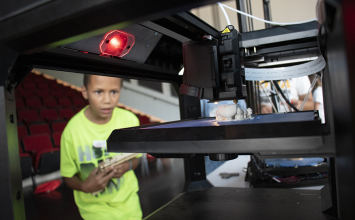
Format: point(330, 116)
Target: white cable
point(270, 22)
point(225, 13)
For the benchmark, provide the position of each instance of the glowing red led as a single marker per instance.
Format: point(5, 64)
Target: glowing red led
point(116, 43)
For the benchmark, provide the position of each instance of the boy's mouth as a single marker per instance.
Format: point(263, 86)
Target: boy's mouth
point(106, 110)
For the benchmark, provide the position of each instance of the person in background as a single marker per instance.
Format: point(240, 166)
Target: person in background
point(318, 97)
point(295, 90)
point(83, 147)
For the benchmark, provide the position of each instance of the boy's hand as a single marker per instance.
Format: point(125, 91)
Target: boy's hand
point(97, 181)
point(121, 169)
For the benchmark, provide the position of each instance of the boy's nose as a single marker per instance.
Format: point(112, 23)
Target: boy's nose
point(107, 98)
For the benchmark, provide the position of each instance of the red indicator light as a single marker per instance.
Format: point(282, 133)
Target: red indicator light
point(116, 43)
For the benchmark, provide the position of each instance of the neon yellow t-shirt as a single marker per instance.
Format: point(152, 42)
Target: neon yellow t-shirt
point(79, 156)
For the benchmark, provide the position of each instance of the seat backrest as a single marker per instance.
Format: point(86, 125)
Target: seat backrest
point(27, 94)
point(143, 120)
point(65, 102)
point(20, 104)
point(40, 129)
point(66, 113)
point(43, 94)
point(79, 102)
point(57, 86)
point(29, 86)
point(28, 115)
point(34, 103)
point(37, 143)
point(49, 114)
point(56, 138)
point(78, 109)
point(50, 102)
point(58, 126)
point(26, 165)
point(43, 86)
point(47, 161)
point(57, 94)
point(71, 93)
point(21, 132)
point(39, 80)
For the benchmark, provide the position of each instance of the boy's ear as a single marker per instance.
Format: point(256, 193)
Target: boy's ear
point(84, 92)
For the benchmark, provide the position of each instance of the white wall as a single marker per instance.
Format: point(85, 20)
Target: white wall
point(161, 105)
point(281, 11)
point(75, 79)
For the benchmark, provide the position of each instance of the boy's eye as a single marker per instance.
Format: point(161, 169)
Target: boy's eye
point(98, 92)
point(114, 92)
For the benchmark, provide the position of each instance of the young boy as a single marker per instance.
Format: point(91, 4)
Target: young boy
point(83, 147)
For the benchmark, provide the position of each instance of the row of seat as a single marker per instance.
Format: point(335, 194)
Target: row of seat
point(56, 93)
point(31, 115)
point(52, 85)
point(40, 128)
point(50, 102)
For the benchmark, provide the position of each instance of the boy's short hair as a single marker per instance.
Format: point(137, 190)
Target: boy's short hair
point(87, 80)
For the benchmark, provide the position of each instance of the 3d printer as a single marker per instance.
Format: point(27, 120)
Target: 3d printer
point(161, 47)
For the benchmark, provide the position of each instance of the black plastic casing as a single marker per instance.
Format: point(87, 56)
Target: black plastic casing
point(213, 68)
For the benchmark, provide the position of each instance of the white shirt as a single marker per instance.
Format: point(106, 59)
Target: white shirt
point(318, 97)
point(295, 88)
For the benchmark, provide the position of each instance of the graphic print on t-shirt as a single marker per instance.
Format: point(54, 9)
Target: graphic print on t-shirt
point(89, 158)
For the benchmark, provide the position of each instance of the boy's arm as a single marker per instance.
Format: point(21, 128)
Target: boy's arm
point(122, 168)
point(95, 181)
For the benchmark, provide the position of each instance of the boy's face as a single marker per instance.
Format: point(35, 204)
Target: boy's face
point(103, 94)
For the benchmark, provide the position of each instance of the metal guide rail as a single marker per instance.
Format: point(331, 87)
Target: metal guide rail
point(270, 132)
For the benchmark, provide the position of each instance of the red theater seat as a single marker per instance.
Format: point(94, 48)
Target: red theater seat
point(71, 93)
point(39, 80)
point(19, 103)
point(78, 109)
point(52, 81)
point(49, 114)
point(67, 89)
point(43, 86)
point(34, 103)
point(39, 129)
point(57, 94)
point(79, 102)
point(43, 94)
point(143, 120)
point(56, 138)
point(37, 143)
point(27, 94)
point(57, 87)
point(47, 161)
point(66, 113)
point(59, 126)
point(50, 102)
point(65, 102)
point(29, 86)
point(21, 132)
point(28, 116)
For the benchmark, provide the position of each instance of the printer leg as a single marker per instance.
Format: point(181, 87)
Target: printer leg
point(12, 201)
point(195, 172)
